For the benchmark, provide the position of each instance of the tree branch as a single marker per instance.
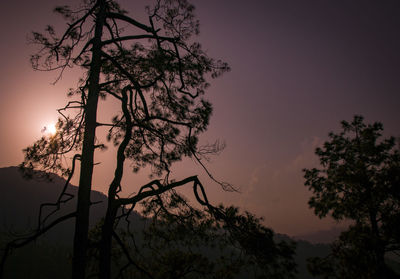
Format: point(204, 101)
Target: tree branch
point(131, 21)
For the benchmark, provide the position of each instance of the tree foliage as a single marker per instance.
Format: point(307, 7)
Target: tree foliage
point(359, 180)
point(156, 71)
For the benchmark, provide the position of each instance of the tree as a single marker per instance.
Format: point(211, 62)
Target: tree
point(359, 180)
point(158, 74)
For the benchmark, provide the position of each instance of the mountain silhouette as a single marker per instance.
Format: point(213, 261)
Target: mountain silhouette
point(322, 236)
point(20, 200)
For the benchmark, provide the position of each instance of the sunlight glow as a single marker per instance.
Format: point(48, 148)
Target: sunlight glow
point(50, 129)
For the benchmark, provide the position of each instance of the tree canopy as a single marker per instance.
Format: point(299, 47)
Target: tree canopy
point(359, 180)
point(156, 71)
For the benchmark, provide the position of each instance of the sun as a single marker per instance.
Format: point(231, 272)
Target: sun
point(50, 129)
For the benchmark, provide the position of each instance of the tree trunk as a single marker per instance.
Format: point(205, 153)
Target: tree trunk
point(85, 180)
point(106, 241)
point(113, 205)
point(378, 246)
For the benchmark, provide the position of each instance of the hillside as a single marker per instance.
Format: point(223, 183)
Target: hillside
point(20, 200)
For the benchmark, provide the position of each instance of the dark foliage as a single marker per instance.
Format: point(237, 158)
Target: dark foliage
point(359, 181)
point(179, 241)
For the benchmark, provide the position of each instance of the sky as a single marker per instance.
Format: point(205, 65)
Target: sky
point(298, 69)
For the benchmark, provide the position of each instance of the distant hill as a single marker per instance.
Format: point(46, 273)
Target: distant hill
point(322, 236)
point(20, 200)
point(305, 250)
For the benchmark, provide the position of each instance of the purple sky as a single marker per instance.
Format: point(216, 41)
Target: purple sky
point(298, 69)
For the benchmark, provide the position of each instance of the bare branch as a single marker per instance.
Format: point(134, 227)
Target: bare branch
point(60, 199)
point(131, 21)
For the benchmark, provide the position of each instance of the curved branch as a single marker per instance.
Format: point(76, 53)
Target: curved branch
point(161, 189)
point(136, 84)
point(59, 201)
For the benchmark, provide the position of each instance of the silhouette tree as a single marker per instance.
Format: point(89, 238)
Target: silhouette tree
point(158, 74)
point(359, 180)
